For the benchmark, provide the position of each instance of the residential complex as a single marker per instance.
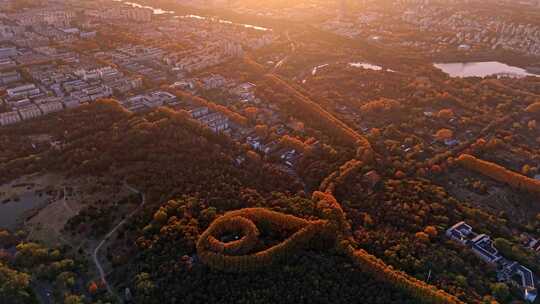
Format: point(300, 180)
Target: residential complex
point(42, 69)
point(482, 246)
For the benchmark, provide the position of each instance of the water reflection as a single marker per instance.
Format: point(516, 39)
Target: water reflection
point(482, 69)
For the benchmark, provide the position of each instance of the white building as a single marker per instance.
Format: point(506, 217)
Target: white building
point(9, 118)
point(29, 112)
point(98, 92)
point(9, 77)
point(198, 112)
point(23, 91)
point(71, 102)
point(149, 101)
point(51, 107)
point(7, 63)
point(8, 52)
point(213, 82)
point(165, 97)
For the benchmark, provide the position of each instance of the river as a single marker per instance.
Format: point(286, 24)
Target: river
point(159, 11)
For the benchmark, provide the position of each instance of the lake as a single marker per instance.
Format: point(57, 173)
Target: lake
point(482, 69)
point(12, 212)
point(365, 65)
point(369, 66)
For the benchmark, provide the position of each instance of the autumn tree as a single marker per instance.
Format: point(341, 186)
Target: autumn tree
point(261, 130)
point(92, 288)
point(431, 231)
point(533, 108)
point(445, 114)
point(382, 105)
point(293, 143)
point(444, 134)
point(15, 286)
point(500, 173)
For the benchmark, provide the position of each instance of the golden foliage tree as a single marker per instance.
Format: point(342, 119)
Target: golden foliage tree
point(500, 173)
point(533, 107)
point(444, 134)
point(236, 256)
point(235, 117)
point(239, 255)
point(445, 114)
point(380, 106)
point(293, 143)
point(313, 112)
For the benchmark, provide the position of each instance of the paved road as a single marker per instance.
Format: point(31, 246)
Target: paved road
point(95, 255)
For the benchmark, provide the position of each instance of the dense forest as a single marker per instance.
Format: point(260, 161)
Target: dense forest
point(161, 152)
point(367, 235)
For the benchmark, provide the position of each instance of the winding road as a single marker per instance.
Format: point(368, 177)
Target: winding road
point(95, 255)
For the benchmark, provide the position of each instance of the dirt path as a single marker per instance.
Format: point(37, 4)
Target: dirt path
point(64, 202)
point(95, 255)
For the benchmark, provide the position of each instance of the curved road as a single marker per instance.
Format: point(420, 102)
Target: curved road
point(95, 254)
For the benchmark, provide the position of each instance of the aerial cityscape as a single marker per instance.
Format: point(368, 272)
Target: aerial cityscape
point(249, 151)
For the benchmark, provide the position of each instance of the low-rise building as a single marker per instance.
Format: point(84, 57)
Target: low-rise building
point(482, 245)
point(6, 32)
point(217, 122)
point(184, 85)
point(165, 97)
point(23, 91)
point(6, 63)
point(71, 102)
point(80, 96)
point(29, 112)
point(507, 270)
point(8, 52)
point(148, 101)
point(460, 232)
point(245, 91)
point(51, 107)
point(198, 112)
point(9, 118)
point(213, 82)
point(9, 77)
point(20, 103)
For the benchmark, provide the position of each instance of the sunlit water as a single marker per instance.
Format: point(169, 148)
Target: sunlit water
point(367, 66)
point(482, 69)
point(159, 11)
point(259, 28)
